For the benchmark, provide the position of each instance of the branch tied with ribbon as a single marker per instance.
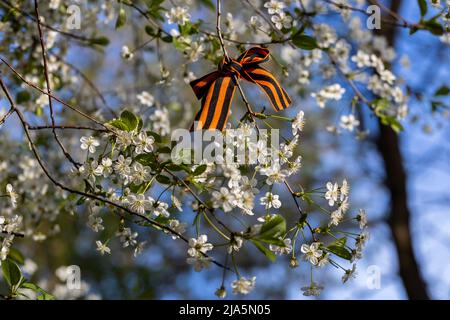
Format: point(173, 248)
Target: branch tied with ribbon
point(216, 89)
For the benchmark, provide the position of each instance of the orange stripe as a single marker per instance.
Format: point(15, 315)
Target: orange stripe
point(266, 73)
point(205, 107)
point(220, 102)
point(274, 93)
point(228, 113)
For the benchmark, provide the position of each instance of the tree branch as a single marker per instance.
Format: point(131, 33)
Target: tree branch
point(47, 82)
point(81, 193)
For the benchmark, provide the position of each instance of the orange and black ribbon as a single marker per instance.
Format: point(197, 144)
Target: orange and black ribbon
point(216, 89)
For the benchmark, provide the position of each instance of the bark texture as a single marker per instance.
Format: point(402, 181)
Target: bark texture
point(396, 181)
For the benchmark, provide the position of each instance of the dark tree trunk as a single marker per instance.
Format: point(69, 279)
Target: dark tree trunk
point(388, 145)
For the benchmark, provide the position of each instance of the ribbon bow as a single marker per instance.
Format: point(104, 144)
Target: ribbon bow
point(216, 89)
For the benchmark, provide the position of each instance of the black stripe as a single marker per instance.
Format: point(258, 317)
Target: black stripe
point(226, 109)
point(213, 103)
point(236, 66)
point(256, 55)
point(256, 76)
point(270, 94)
point(287, 96)
point(197, 116)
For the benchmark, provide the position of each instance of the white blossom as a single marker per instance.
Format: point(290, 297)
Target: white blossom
point(146, 98)
point(199, 246)
point(102, 248)
point(271, 200)
point(89, 143)
point(178, 15)
point(243, 285)
point(311, 252)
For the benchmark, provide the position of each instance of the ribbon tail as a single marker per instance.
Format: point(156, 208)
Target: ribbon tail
point(215, 105)
point(278, 97)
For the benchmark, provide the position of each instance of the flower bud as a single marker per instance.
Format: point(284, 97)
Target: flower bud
point(293, 263)
point(221, 292)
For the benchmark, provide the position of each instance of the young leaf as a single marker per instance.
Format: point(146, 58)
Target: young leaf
point(129, 119)
point(272, 230)
point(269, 254)
point(42, 294)
point(22, 96)
point(11, 272)
point(16, 256)
point(340, 242)
point(149, 30)
point(121, 18)
point(434, 27)
point(340, 252)
point(101, 41)
point(304, 42)
point(423, 7)
point(163, 179)
point(209, 4)
point(155, 136)
point(200, 169)
point(146, 159)
point(442, 91)
point(119, 124)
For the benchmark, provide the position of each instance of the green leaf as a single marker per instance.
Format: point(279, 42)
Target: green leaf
point(434, 27)
point(437, 105)
point(140, 124)
point(43, 295)
point(149, 30)
point(174, 167)
point(154, 9)
point(101, 41)
point(146, 159)
point(16, 256)
point(119, 124)
point(164, 149)
point(269, 254)
point(81, 201)
point(11, 272)
point(340, 252)
point(121, 18)
point(163, 179)
point(272, 230)
point(209, 4)
point(199, 170)
point(442, 91)
point(423, 7)
point(129, 119)
point(305, 42)
point(22, 96)
point(392, 122)
point(152, 4)
point(340, 242)
point(380, 105)
point(156, 136)
point(167, 38)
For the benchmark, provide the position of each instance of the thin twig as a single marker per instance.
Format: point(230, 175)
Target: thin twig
point(47, 82)
point(227, 59)
point(6, 116)
point(65, 127)
point(16, 234)
point(30, 84)
point(77, 37)
point(87, 80)
point(81, 193)
point(211, 210)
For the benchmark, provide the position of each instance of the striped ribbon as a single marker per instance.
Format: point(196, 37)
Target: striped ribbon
point(216, 89)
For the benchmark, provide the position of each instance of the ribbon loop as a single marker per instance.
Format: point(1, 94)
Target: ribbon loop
point(216, 89)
